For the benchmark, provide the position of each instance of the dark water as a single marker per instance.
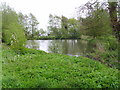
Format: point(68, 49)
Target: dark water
point(68, 47)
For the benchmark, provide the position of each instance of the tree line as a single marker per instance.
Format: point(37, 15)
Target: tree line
point(95, 19)
point(30, 24)
point(62, 27)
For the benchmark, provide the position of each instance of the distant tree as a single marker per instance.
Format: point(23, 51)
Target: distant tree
point(12, 31)
point(73, 28)
point(41, 31)
point(64, 26)
point(21, 19)
point(30, 24)
point(24, 21)
point(54, 25)
point(51, 26)
point(64, 22)
point(33, 24)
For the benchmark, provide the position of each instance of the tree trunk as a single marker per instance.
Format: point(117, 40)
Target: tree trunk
point(114, 19)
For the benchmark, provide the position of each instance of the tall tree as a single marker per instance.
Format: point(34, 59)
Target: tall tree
point(24, 21)
point(73, 28)
point(55, 25)
point(41, 31)
point(33, 24)
point(64, 22)
point(64, 25)
point(12, 31)
point(114, 15)
point(97, 21)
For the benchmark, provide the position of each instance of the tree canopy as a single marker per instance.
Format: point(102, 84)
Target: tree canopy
point(63, 27)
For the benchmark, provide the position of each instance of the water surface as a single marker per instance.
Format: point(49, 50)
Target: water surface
point(68, 47)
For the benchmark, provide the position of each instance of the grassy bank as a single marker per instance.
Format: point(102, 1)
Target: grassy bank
point(37, 69)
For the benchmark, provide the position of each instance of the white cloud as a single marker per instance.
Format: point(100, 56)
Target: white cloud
point(42, 8)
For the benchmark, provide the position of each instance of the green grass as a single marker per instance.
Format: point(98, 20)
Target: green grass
point(37, 69)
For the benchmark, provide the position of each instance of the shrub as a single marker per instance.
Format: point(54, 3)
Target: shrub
point(12, 31)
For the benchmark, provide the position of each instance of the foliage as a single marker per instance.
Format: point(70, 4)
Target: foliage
point(97, 24)
point(24, 21)
point(62, 27)
point(73, 28)
point(45, 70)
point(41, 31)
point(30, 25)
point(101, 22)
point(45, 38)
point(54, 25)
point(12, 31)
point(33, 24)
point(107, 51)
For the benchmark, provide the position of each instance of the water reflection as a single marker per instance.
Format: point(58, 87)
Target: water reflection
point(33, 44)
point(68, 47)
point(55, 47)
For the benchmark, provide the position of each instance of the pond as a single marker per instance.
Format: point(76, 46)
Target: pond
point(68, 47)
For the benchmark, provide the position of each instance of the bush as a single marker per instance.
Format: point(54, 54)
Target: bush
point(12, 32)
point(107, 52)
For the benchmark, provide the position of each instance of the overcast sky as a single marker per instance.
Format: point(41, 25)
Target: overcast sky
point(42, 8)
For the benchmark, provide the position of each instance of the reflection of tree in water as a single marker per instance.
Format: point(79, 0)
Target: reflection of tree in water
point(65, 46)
point(86, 46)
point(91, 46)
point(81, 46)
point(55, 46)
point(71, 47)
point(34, 44)
point(68, 47)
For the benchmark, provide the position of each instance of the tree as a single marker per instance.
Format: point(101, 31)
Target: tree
point(24, 21)
point(55, 25)
point(97, 21)
point(73, 28)
point(33, 23)
point(29, 23)
point(115, 20)
point(12, 31)
point(41, 31)
point(64, 26)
